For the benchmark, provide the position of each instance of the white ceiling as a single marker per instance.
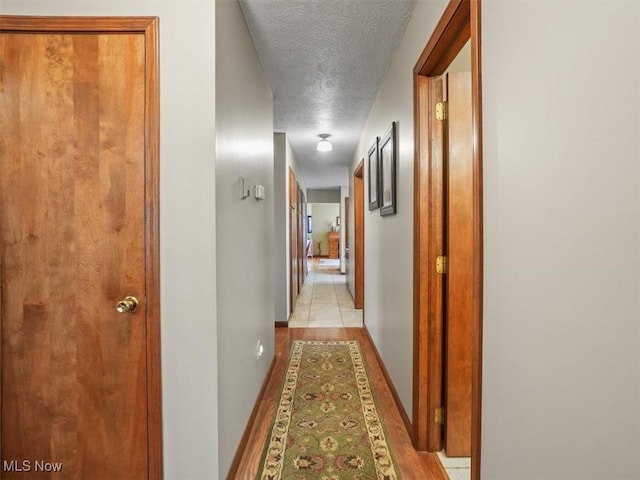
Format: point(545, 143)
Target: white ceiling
point(325, 61)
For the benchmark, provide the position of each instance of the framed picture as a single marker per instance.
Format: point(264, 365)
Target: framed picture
point(388, 160)
point(374, 177)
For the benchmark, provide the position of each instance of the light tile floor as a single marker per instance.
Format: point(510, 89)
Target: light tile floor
point(325, 301)
point(457, 468)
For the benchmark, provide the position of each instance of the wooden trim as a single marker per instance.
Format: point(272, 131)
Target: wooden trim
point(447, 39)
point(420, 245)
point(478, 214)
point(392, 388)
point(235, 464)
point(358, 235)
point(43, 24)
point(428, 286)
point(152, 194)
point(149, 27)
point(459, 22)
point(282, 324)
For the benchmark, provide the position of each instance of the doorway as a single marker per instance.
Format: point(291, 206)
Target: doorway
point(358, 226)
point(448, 240)
point(80, 357)
point(297, 242)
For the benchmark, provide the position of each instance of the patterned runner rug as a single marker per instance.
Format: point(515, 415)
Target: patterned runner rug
point(326, 425)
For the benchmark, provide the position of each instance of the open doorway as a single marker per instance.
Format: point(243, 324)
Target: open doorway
point(448, 242)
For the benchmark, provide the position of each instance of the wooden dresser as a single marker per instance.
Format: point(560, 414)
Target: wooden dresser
point(334, 244)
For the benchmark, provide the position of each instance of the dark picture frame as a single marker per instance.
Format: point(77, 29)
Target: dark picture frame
point(388, 159)
point(373, 163)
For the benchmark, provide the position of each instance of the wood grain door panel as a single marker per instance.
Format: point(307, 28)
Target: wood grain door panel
point(358, 220)
point(73, 242)
point(460, 279)
point(293, 240)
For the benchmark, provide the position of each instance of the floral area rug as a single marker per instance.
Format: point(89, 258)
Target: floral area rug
point(326, 425)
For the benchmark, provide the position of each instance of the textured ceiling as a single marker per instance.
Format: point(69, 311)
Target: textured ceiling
point(325, 61)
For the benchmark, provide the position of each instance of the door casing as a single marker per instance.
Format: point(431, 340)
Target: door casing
point(358, 221)
point(459, 23)
point(148, 27)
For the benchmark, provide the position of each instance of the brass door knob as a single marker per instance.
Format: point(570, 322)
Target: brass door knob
point(127, 305)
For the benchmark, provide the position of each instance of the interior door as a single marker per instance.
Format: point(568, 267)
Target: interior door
point(358, 220)
point(459, 277)
point(300, 240)
point(75, 371)
point(293, 239)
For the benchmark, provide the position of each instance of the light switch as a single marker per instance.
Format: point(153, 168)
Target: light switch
point(259, 192)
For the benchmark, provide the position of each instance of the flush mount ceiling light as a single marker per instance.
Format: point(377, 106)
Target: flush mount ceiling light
point(324, 145)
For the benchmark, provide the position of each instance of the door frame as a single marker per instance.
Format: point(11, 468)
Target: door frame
point(358, 234)
point(147, 26)
point(293, 219)
point(459, 23)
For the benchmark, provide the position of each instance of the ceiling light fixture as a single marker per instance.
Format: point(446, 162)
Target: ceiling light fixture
point(324, 145)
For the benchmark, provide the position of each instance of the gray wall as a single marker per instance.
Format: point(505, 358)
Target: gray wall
point(244, 228)
point(562, 240)
point(281, 237)
point(388, 251)
point(323, 215)
point(315, 195)
point(187, 219)
point(561, 231)
point(283, 159)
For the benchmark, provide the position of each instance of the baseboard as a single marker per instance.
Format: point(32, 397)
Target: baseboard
point(233, 470)
point(394, 392)
point(282, 324)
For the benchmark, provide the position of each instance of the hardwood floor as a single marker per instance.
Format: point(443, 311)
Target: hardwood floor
point(410, 464)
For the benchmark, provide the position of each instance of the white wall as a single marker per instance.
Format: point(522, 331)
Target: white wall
point(281, 234)
point(187, 219)
point(324, 214)
point(344, 192)
point(388, 294)
point(318, 195)
point(245, 228)
point(561, 380)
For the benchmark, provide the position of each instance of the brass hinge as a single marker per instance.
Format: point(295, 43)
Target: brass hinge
point(441, 264)
point(440, 415)
point(441, 111)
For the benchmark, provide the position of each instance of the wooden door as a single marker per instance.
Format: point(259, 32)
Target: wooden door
point(80, 381)
point(460, 245)
point(358, 220)
point(293, 239)
point(300, 240)
point(346, 235)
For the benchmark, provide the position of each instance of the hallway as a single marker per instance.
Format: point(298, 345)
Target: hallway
point(325, 301)
point(411, 465)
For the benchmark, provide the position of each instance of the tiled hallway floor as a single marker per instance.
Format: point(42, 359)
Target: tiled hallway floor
point(457, 468)
point(325, 301)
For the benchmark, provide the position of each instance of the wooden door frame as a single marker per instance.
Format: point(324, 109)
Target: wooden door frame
point(459, 23)
point(291, 206)
point(147, 26)
point(358, 254)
